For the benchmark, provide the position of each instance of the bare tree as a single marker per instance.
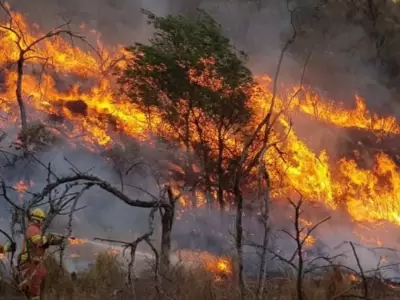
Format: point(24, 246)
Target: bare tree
point(25, 47)
point(61, 194)
point(264, 187)
point(264, 128)
point(300, 236)
point(132, 246)
point(364, 280)
point(67, 200)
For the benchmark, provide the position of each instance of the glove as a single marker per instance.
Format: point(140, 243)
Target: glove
point(46, 241)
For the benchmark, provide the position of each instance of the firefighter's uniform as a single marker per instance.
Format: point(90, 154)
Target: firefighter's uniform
point(31, 259)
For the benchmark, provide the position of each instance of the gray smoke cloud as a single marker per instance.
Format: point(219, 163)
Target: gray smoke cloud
point(339, 65)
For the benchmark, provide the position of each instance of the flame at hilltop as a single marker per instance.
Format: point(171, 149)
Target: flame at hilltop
point(368, 195)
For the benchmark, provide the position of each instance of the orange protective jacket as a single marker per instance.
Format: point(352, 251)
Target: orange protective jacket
point(34, 244)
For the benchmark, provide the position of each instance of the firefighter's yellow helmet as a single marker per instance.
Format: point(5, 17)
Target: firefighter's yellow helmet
point(38, 214)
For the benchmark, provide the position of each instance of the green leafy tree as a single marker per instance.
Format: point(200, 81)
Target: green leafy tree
point(191, 77)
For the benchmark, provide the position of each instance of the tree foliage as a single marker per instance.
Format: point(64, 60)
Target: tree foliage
point(164, 73)
point(197, 82)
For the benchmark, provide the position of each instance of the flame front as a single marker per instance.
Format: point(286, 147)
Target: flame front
point(368, 195)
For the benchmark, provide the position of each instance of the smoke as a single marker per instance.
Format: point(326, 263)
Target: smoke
point(340, 62)
point(262, 33)
point(107, 217)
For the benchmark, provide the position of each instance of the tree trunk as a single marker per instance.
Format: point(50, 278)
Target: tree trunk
point(18, 92)
point(220, 170)
point(239, 239)
point(299, 281)
point(264, 187)
point(204, 153)
point(263, 259)
point(167, 221)
point(190, 174)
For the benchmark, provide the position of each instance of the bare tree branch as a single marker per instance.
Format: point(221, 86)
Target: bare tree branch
point(365, 284)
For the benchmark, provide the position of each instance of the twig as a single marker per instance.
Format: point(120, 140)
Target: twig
point(365, 284)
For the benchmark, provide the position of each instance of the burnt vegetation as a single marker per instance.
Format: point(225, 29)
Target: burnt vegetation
point(195, 91)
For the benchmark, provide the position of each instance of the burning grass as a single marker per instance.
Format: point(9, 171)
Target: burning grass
point(105, 279)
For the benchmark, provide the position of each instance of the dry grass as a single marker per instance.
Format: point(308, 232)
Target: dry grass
point(105, 280)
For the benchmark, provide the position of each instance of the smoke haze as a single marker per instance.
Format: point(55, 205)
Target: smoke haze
point(261, 34)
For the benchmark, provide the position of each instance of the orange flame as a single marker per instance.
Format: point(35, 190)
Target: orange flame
point(354, 278)
point(215, 264)
point(92, 107)
point(75, 241)
point(22, 186)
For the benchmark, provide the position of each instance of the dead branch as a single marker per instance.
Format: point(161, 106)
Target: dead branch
point(25, 48)
point(365, 284)
point(300, 236)
point(157, 279)
point(96, 181)
point(59, 204)
point(69, 226)
point(167, 214)
point(133, 247)
point(266, 122)
point(264, 186)
point(4, 194)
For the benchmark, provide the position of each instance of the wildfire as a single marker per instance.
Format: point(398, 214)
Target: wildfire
point(22, 186)
point(367, 194)
point(219, 266)
point(353, 278)
point(75, 241)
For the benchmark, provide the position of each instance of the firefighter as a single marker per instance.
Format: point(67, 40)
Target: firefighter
point(8, 248)
point(31, 258)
